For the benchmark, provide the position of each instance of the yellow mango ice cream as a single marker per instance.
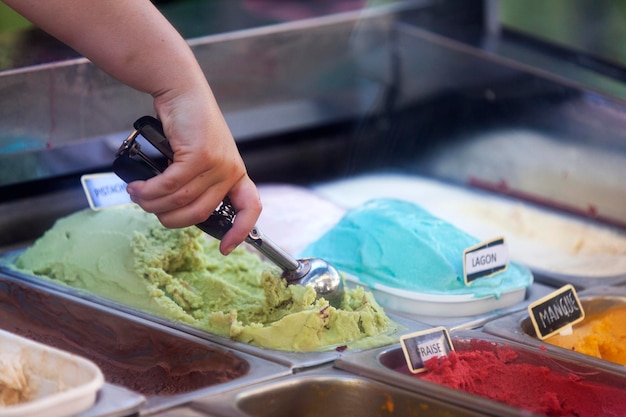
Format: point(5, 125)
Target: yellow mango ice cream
point(125, 255)
point(602, 336)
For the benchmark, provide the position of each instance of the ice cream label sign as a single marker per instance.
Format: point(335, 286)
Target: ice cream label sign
point(556, 312)
point(104, 190)
point(485, 259)
point(418, 347)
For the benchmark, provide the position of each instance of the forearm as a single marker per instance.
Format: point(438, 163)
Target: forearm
point(132, 41)
point(129, 39)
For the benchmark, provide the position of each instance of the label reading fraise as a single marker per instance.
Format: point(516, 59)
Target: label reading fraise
point(421, 346)
point(556, 312)
point(104, 190)
point(485, 259)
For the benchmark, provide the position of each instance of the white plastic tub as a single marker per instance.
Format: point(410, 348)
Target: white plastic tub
point(60, 384)
point(440, 305)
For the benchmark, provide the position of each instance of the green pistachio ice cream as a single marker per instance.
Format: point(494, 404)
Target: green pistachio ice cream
point(125, 255)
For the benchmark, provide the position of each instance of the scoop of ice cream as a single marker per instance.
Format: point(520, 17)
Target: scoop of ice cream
point(400, 245)
point(602, 336)
point(125, 255)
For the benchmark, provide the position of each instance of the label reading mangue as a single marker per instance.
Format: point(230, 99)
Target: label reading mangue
point(556, 312)
point(104, 190)
point(485, 259)
point(421, 346)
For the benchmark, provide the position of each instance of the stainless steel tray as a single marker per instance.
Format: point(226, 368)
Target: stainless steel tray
point(518, 327)
point(166, 366)
point(293, 360)
point(378, 364)
point(580, 282)
point(115, 401)
point(327, 391)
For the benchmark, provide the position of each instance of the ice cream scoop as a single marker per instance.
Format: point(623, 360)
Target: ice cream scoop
point(132, 164)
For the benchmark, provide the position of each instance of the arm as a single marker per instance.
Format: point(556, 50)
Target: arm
point(133, 42)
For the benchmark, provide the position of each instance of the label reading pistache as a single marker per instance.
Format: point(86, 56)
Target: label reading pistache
point(485, 259)
point(104, 190)
point(556, 312)
point(421, 346)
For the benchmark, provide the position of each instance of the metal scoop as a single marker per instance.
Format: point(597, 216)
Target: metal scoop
point(132, 164)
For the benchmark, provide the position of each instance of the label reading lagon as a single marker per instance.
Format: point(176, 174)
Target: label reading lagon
point(485, 259)
point(105, 190)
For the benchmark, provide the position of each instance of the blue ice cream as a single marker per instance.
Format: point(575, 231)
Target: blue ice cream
point(399, 244)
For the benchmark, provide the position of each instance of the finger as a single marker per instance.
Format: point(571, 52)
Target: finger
point(195, 212)
point(162, 185)
point(186, 194)
point(247, 203)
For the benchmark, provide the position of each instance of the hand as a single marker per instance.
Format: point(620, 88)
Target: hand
point(207, 166)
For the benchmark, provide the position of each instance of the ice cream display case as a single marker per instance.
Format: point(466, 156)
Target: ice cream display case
point(332, 104)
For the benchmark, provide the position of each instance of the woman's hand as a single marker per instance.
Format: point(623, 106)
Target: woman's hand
point(206, 167)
